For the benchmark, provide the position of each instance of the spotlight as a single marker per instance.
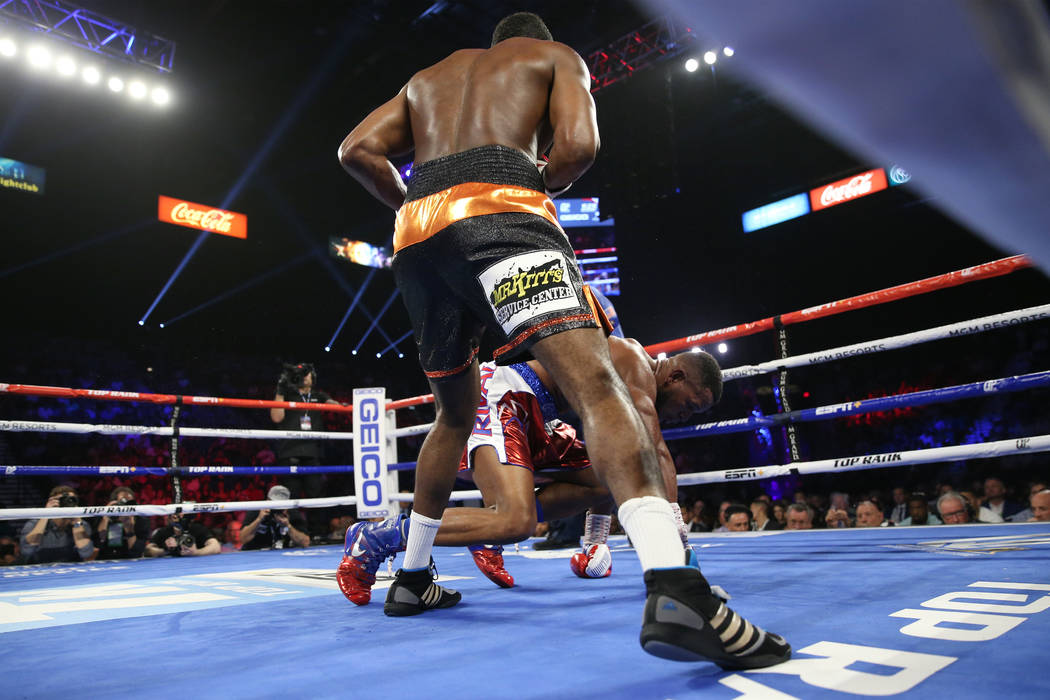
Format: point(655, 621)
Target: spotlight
point(38, 57)
point(65, 66)
point(91, 75)
point(353, 352)
point(137, 90)
point(662, 356)
point(161, 325)
point(160, 96)
point(691, 65)
point(728, 51)
point(696, 348)
point(142, 323)
point(379, 355)
point(328, 348)
point(710, 57)
point(401, 355)
point(723, 348)
point(7, 48)
point(115, 84)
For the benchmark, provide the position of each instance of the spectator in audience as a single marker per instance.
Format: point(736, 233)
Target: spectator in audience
point(738, 518)
point(1041, 507)
point(9, 551)
point(995, 498)
point(722, 516)
point(761, 516)
point(694, 517)
point(953, 509)
point(124, 537)
point(338, 526)
point(837, 517)
point(780, 513)
point(232, 536)
point(275, 529)
point(57, 539)
point(983, 514)
point(182, 537)
point(869, 514)
point(899, 510)
point(799, 517)
point(919, 512)
point(1025, 515)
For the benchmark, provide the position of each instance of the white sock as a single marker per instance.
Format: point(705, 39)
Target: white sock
point(683, 531)
point(596, 529)
point(649, 522)
point(421, 534)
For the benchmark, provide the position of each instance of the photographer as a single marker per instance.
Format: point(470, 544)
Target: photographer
point(57, 539)
point(298, 383)
point(123, 537)
point(275, 529)
point(182, 538)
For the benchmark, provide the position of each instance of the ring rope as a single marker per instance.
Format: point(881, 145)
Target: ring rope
point(996, 268)
point(981, 450)
point(214, 470)
point(22, 426)
point(1021, 382)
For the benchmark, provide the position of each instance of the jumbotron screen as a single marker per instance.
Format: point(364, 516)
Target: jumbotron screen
point(594, 241)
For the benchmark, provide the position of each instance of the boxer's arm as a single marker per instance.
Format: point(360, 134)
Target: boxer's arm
point(641, 384)
point(573, 121)
point(365, 152)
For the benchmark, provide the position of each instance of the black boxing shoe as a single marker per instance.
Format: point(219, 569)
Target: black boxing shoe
point(685, 621)
point(414, 592)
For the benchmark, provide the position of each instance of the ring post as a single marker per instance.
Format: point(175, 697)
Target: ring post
point(392, 476)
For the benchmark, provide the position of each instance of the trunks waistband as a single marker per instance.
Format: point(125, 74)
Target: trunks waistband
point(548, 408)
point(497, 165)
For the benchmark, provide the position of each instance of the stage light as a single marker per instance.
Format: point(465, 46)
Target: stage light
point(328, 348)
point(7, 48)
point(38, 57)
point(662, 356)
point(696, 348)
point(142, 323)
point(115, 84)
point(91, 75)
point(160, 96)
point(137, 90)
point(728, 51)
point(710, 57)
point(353, 352)
point(162, 325)
point(401, 355)
point(378, 355)
point(65, 66)
point(723, 348)
point(691, 65)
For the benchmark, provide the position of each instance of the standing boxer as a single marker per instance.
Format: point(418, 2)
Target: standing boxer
point(482, 264)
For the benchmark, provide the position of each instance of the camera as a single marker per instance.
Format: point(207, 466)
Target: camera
point(127, 501)
point(295, 375)
point(182, 539)
point(68, 500)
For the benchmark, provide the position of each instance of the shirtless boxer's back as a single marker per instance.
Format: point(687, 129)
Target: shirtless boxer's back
point(482, 264)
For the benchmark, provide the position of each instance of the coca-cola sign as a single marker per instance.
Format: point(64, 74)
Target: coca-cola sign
point(201, 216)
point(850, 188)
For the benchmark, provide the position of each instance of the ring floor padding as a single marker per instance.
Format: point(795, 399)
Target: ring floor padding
point(266, 624)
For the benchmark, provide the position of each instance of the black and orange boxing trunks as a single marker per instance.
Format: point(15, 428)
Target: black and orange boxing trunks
point(482, 264)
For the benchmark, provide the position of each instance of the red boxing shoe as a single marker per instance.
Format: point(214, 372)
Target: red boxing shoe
point(595, 561)
point(490, 560)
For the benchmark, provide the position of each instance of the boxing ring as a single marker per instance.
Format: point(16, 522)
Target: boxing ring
point(944, 610)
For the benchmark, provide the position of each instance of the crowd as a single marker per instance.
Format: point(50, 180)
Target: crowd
point(954, 492)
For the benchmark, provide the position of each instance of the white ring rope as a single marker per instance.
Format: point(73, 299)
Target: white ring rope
point(953, 330)
point(114, 429)
point(981, 450)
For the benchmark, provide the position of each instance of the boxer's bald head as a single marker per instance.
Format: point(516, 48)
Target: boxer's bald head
point(524, 24)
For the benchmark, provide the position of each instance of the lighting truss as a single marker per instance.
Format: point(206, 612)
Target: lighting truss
point(662, 38)
point(92, 31)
